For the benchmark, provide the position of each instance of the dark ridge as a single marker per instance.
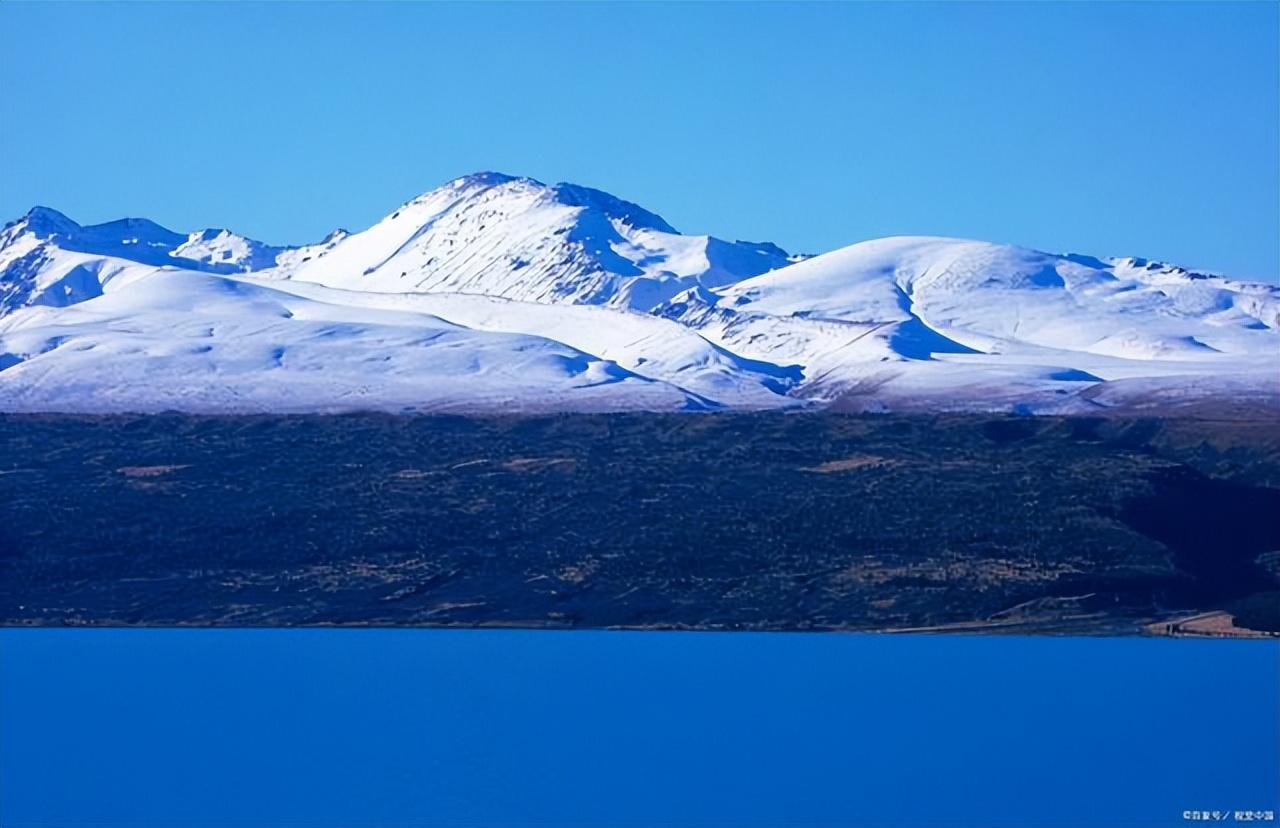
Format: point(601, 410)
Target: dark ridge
point(1215, 529)
point(722, 521)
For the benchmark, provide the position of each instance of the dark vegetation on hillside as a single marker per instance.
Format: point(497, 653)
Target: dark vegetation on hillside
point(1260, 611)
point(810, 521)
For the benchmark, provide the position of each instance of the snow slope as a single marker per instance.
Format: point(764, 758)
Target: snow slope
point(184, 340)
point(646, 345)
point(48, 259)
point(516, 238)
point(497, 293)
point(935, 314)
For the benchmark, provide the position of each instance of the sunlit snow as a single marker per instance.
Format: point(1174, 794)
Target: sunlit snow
point(496, 293)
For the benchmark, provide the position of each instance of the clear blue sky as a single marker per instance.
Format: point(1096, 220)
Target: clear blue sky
point(1147, 129)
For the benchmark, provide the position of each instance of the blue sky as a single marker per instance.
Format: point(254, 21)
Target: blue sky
point(1148, 129)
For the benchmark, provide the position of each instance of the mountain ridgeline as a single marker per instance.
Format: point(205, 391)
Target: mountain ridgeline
point(498, 293)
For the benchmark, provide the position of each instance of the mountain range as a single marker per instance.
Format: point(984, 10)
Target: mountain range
point(496, 294)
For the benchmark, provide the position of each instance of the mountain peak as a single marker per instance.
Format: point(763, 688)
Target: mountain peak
point(519, 238)
point(471, 185)
point(486, 178)
point(564, 193)
point(46, 221)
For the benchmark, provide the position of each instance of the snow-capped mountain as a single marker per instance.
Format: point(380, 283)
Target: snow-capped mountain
point(516, 238)
point(46, 258)
point(496, 293)
point(982, 320)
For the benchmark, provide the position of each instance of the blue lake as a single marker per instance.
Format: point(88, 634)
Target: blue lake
point(410, 727)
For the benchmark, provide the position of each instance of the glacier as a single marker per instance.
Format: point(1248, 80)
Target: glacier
point(499, 294)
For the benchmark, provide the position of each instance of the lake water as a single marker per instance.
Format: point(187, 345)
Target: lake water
point(413, 727)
